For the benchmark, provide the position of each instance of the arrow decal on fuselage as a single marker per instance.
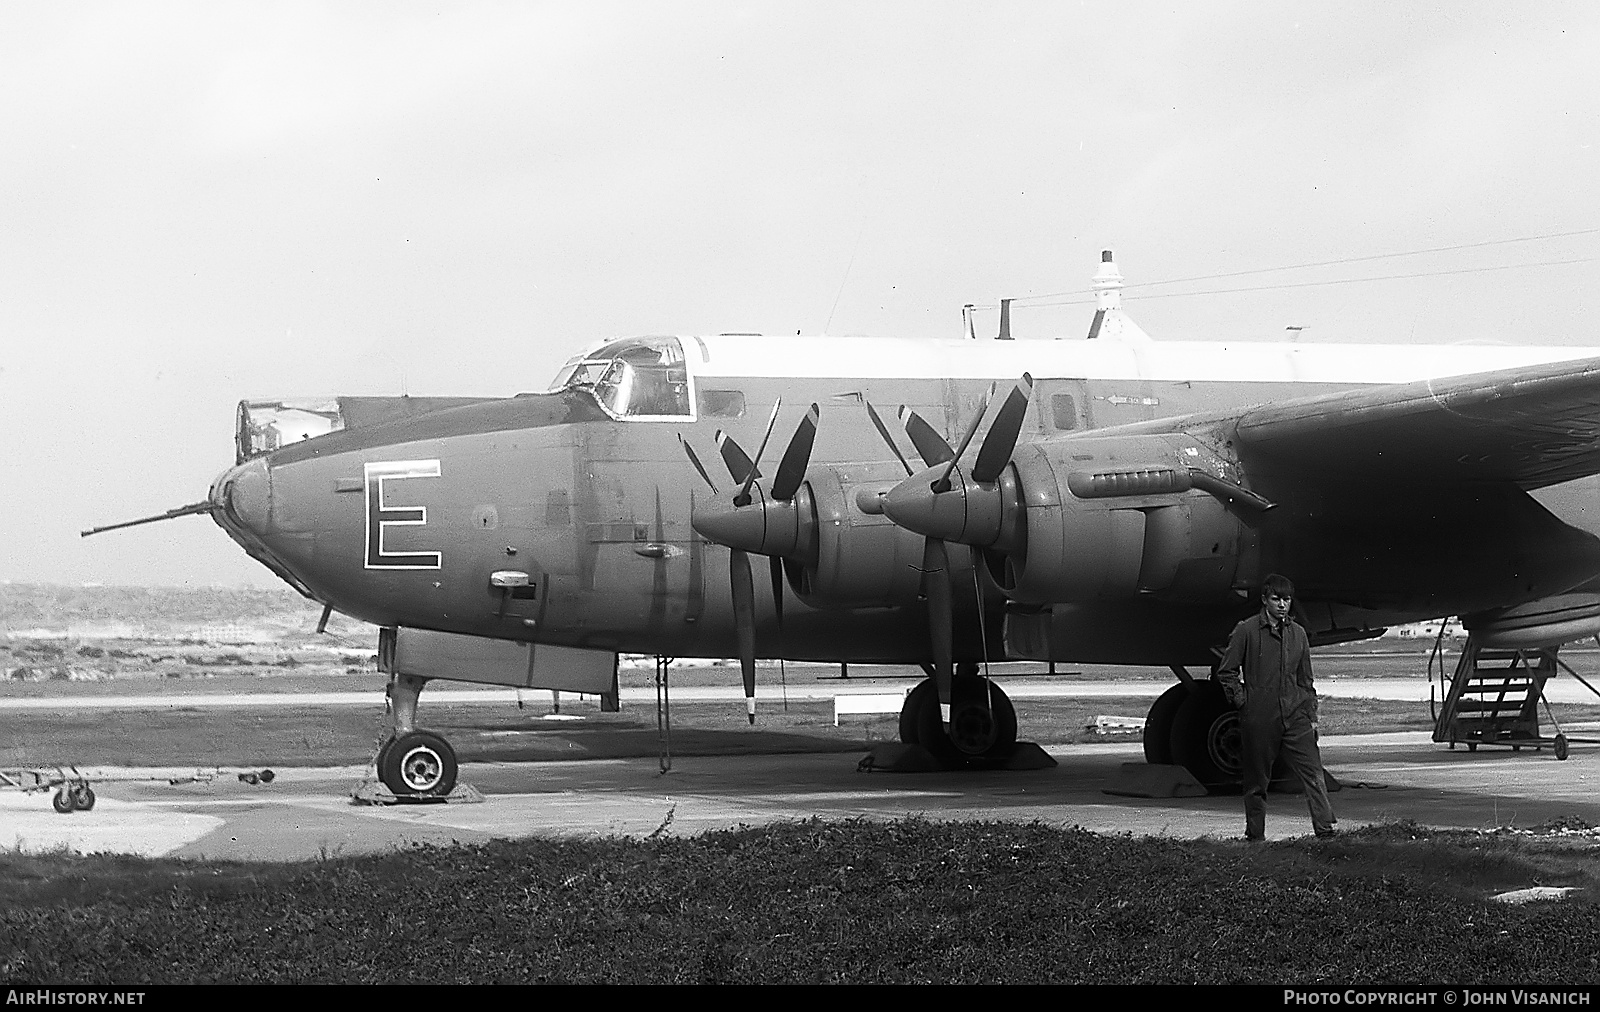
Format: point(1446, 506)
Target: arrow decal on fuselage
point(381, 515)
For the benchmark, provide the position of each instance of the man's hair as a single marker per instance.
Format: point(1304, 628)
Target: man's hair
point(1279, 585)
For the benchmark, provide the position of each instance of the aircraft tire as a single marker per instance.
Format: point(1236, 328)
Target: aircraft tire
point(1158, 725)
point(1207, 738)
point(382, 751)
point(980, 729)
point(62, 802)
point(82, 796)
point(419, 764)
point(911, 710)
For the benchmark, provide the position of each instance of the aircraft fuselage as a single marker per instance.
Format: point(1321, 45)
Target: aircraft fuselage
point(581, 500)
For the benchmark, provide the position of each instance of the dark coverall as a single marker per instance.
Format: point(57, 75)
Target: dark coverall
point(1277, 707)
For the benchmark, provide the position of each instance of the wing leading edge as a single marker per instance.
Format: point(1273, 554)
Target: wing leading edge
point(1531, 426)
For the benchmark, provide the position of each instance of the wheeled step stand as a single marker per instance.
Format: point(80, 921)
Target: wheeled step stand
point(1493, 699)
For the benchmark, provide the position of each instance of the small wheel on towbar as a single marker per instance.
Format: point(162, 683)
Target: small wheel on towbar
point(419, 764)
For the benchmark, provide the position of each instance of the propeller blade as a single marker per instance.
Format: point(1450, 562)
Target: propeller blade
point(775, 570)
point(943, 484)
point(941, 618)
point(743, 498)
point(694, 458)
point(1002, 437)
point(883, 431)
point(931, 446)
point(181, 511)
point(744, 620)
point(792, 469)
point(739, 465)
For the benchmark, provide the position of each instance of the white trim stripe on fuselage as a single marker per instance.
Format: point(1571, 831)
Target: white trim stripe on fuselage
point(1168, 361)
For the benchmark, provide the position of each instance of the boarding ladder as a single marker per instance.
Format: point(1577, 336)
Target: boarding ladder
point(1493, 698)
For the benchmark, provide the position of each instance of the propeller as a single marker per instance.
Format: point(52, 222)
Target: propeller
point(694, 458)
point(998, 445)
point(883, 431)
point(931, 446)
point(974, 506)
point(928, 496)
point(764, 522)
point(936, 581)
point(743, 498)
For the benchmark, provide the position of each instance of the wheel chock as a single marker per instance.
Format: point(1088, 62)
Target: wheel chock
point(373, 792)
point(897, 757)
point(1154, 780)
point(1028, 756)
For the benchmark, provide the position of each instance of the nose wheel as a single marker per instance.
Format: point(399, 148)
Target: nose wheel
point(418, 764)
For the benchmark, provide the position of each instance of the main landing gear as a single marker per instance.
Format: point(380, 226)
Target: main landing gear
point(983, 723)
point(1192, 725)
point(414, 763)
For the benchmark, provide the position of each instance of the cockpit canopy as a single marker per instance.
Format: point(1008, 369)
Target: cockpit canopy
point(638, 377)
point(264, 426)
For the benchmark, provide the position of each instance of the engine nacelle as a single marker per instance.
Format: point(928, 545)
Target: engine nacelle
point(860, 559)
point(1114, 518)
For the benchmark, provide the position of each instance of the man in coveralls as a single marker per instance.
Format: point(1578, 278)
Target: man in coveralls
point(1277, 705)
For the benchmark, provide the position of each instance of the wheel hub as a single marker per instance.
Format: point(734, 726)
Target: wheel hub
point(421, 769)
point(1225, 744)
point(972, 729)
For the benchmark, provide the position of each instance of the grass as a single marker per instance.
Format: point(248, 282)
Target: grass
point(811, 902)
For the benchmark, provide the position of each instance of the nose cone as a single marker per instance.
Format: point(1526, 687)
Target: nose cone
point(242, 498)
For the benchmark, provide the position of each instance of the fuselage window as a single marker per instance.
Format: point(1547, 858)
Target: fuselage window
point(1065, 409)
point(722, 403)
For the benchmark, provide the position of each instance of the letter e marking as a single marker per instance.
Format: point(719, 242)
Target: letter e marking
point(381, 515)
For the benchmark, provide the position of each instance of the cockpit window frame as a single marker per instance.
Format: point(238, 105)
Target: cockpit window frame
point(589, 370)
point(263, 426)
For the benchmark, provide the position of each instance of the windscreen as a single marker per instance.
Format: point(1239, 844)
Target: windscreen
point(263, 426)
point(636, 378)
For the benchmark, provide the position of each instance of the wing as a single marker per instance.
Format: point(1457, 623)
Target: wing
point(1531, 426)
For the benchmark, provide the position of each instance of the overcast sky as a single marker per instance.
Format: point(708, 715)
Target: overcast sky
point(203, 202)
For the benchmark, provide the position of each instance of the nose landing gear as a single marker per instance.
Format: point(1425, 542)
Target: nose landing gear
point(418, 764)
point(414, 764)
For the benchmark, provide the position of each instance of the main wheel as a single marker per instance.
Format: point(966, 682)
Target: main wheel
point(419, 764)
point(82, 796)
point(1561, 747)
point(1207, 738)
point(983, 723)
point(62, 802)
point(1158, 725)
point(911, 710)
